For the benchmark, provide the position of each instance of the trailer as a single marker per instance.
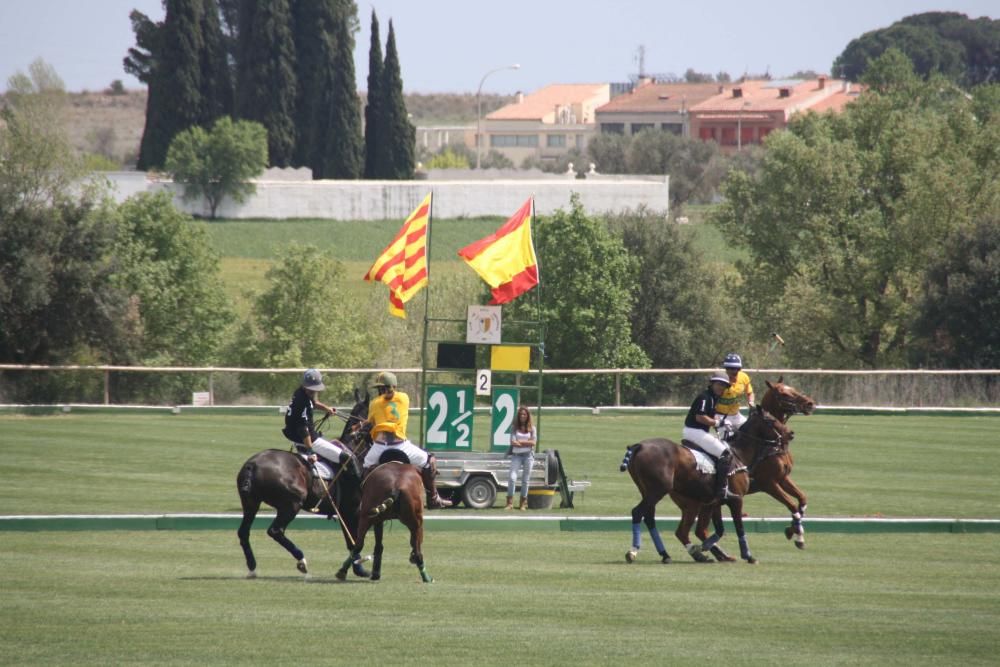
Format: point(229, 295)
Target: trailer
point(474, 478)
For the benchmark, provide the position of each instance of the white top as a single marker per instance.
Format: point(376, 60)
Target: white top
point(527, 437)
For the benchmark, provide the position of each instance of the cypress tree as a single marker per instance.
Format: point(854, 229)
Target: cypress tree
point(266, 75)
point(339, 151)
point(173, 74)
point(398, 134)
point(312, 25)
point(373, 104)
point(216, 78)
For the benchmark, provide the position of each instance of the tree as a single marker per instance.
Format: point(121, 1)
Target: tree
point(266, 87)
point(587, 278)
point(301, 319)
point(37, 163)
point(846, 211)
point(183, 62)
point(965, 50)
point(672, 313)
point(397, 136)
point(957, 317)
point(374, 102)
point(220, 162)
point(339, 146)
point(171, 67)
point(607, 152)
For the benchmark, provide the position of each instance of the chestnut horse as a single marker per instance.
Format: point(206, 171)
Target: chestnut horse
point(661, 467)
point(283, 480)
point(392, 490)
point(770, 467)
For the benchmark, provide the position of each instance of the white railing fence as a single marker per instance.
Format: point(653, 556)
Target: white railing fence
point(113, 385)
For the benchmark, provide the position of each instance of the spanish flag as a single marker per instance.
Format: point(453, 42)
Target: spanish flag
point(506, 259)
point(402, 266)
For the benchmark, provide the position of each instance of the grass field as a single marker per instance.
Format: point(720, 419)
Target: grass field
point(535, 597)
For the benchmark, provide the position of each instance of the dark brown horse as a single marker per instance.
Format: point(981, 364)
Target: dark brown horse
point(392, 490)
point(770, 468)
point(283, 480)
point(661, 467)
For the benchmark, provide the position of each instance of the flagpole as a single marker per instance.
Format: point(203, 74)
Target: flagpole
point(427, 303)
point(541, 322)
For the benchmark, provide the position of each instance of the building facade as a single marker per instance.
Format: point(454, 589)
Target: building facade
point(546, 124)
point(743, 114)
point(650, 105)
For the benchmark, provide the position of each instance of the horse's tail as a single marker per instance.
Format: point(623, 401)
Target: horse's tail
point(629, 453)
point(244, 480)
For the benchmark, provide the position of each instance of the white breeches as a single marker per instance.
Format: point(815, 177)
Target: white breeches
point(327, 449)
point(705, 440)
point(417, 456)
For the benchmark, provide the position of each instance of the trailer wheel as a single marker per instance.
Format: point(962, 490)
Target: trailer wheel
point(479, 493)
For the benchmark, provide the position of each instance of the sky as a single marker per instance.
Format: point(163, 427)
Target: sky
point(451, 46)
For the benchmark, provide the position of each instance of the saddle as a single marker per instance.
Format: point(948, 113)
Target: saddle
point(704, 462)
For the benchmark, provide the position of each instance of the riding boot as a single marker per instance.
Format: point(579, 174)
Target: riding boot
point(722, 467)
point(434, 501)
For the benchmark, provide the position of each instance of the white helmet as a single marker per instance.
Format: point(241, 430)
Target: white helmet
point(732, 361)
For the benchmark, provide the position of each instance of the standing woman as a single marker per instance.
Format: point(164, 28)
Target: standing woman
point(522, 457)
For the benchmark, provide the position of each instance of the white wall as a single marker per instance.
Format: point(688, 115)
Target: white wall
point(395, 200)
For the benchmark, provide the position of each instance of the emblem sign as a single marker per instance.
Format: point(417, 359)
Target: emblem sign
point(483, 325)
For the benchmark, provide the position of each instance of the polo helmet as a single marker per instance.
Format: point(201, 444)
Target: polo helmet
point(312, 380)
point(385, 379)
point(733, 360)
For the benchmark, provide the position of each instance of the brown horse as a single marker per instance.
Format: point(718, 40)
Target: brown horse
point(661, 467)
point(392, 490)
point(283, 480)
point(770, 467)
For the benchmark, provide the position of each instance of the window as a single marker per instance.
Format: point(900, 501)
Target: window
point(673, 128)
point(728, 136)
point(639, 127)
point(513, 140)
point(612, 128)
point(555, 140)
point(706, 133)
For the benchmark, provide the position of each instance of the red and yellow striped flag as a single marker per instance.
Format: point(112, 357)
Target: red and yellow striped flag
point(402, 266)
point(506, 259)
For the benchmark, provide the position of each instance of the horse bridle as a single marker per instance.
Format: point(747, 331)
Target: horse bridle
point(776, 441)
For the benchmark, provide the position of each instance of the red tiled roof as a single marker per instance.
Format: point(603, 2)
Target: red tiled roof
point(661, 97)
point(541, 104)
point(765, 96)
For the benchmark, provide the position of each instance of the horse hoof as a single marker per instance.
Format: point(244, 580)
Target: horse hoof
point(360, 571)
point(302, 567)
point(725, 558)
point(789, 533)
point(376, 576)
point(631, 555)
point(341, 575)
point(666, 559)
point(800, 545)
point(252, 574)
point(751, 561)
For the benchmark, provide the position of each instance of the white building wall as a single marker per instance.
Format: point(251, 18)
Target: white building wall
point(395, 200)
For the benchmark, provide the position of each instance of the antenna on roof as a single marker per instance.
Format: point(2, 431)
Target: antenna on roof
point(640, 57)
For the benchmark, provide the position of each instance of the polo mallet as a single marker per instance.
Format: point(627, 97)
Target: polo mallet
point(778, 340)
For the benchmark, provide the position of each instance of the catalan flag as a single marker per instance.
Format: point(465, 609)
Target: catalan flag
point(506, 259)
point(402, 266)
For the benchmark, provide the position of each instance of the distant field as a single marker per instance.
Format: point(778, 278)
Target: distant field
point(248, 247)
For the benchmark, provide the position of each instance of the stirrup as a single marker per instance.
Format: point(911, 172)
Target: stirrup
point(381, 508)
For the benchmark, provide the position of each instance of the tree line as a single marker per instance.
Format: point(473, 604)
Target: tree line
point(871, 240)
point(285, 64)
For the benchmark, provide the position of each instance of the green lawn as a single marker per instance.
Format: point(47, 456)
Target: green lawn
point(534, 597)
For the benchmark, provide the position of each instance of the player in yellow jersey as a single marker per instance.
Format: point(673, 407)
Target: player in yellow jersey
point(728, 405)
point(388, 414)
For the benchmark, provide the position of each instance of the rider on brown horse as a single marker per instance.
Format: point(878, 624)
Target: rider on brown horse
point(387, 415)
point(299, 425)
point(699, 419)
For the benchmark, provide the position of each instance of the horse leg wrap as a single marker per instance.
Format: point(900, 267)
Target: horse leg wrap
point(711, 542)
point(654, 535)
point(636, 535)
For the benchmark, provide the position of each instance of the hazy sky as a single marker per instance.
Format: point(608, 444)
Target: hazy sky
point(448, 45)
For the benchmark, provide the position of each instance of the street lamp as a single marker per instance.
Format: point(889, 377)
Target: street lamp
point(479, 112)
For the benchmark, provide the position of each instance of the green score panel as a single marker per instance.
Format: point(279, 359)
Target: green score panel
point(449, 417)
point(503, 412)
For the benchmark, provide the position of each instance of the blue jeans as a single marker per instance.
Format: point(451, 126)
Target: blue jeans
point(520, 464)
